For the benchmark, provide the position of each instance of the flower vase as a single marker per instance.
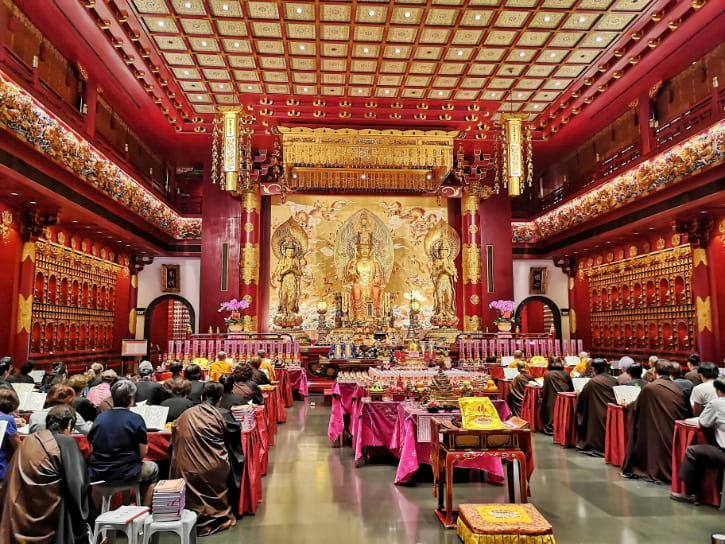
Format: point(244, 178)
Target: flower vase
point(235, 327)
point(504, 326)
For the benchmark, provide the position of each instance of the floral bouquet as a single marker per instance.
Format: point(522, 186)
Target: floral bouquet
point(432, 406)
point(234, 307)
point(505, 309)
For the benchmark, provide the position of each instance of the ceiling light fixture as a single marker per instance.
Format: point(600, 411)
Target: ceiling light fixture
point(477, 17)
point(558, 83)
point(33, 202)
point(406, 14)
point(304, 90)
point(231, 166)
point(199, 97)
point(547, 19)
point(187, 5)
point(598, 39)
point(536, 106)
point(582, 19)
point(186, 72)
point(13, 194)
point(387, 91)
point(363, 176)
point(371, 13)
point(397, 51)
point(513, 157)
point(359, 91)
point(366, 50)
point(552, 55)
point(204, 44)
point(249, 87)
point(522, 54)
point(302, 47)
point(299, 11)
point(161, 24)
point(440, 93)
point(460, 53)
point(237, 44)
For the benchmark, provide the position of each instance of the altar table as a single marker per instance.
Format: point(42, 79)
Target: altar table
point(565, 419)
point(530, 408)
point(504, 386)
point(158, 442)
point(250, 489)
point(373, 424)
point(298, 377)
point(344, 396)
point(616, 434)
point(686, 435)
point(285, 386)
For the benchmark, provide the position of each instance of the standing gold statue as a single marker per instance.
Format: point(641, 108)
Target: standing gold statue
point(366, 276)
point(289, 244)
point(442, 245)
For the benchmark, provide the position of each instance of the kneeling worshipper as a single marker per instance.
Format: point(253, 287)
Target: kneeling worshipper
point(591, 410)
point(230, 398)
point(693, 374)
point(649, 449)
point(634, 373)
point(556, 380)
point(46, 490)
point(201, 442)
point(700, 457)
point(676, 376)
point(58, 394)
point(623, 365)
point(259, 377)
point(518, 388)
point(193, 373)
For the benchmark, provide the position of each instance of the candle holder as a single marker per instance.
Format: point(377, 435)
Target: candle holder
point(321, 324)
point(414, 324)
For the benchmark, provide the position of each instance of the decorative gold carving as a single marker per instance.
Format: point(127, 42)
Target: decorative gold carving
point(471, 263)
point(676, 238)
point(471, 323)
point(699, 256)
point(704, 314)
point(250, 201)
point(132, 321)
point(475, 299)
point(134, 281)
point(471, 204)
point(248, 227)
point(722, 227)
point(572, 321)
point(571, 283)
point(661, 243)
point(473, 229)
point(25, 311)
point(7, 220)
point(28, 252)
point(249, 263)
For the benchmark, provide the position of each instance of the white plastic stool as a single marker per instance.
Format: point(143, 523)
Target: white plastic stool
point(184, 527)
point(107, 490)
point(133, 529)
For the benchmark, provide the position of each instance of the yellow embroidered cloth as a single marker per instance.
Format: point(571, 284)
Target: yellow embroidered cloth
point(503, 524)
point(479, 413)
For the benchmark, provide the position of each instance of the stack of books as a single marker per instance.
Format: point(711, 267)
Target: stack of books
point(168, 500)
point(244, 414)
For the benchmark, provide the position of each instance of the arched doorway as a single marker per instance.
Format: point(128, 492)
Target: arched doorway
point(536, 315)
point(168, 317)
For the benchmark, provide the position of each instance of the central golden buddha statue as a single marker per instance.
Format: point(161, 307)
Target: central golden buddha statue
point(365, 274)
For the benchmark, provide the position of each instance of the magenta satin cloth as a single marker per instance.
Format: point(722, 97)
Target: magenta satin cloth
point(375, 425)
point(337, 419)
point(687, 435)
point(565, 419)
point(299, 381)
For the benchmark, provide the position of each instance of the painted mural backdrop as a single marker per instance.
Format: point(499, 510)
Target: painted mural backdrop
point(408, 219)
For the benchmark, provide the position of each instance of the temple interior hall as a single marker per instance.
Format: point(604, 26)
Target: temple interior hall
point(416, 271)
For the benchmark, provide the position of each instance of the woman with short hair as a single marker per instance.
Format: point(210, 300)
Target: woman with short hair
point(59, 394)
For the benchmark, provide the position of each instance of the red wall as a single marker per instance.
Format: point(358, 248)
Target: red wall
point(495, 215)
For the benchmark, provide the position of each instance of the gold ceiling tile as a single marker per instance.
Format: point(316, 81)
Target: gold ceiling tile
point(303, 64)
point(266, 29)
point(209, 60)
point(334, 49)
point(428, 52)
point(198, 98)
point(534, 107)
point(501, 82)
point(435, 35)
point(394, 67)
point(441, 17)
point(330, 65)
point(412, 1)
point(615, 21)
point(521, 3)
point(192, 86)
point(490, 54)
point(439, 94)
point(370, 14)
point(473, 82)
point(631, 5)
point(304, 77)
point(270, 48)
point(272, 63)
point(263, 10)
point(225, 98)
point(481, 69)
point(598, 39)
point(151, 6)
point(306, 89)
point(386, 93)
point(236, 46)
point(545, 96)
point(246, 75)
point(335, 32)
point(298, 31)
point(360, 79)
point(417, 81)
point(412, 93)
point(583, 56)
point(189, 7)
point(358, 91)
point(448, 2)
point(491, 3)
point(337, 79)
point(332, 91)
point(565, 39)
point(275, 77)
point(365, 50)
point(521, 55)
point(533, 39)
point(363, 65)
point(335, 13)
point(467, 37)
point(296, 11)
point(546, 19)
point(500, 37)
point(170, 42)
point(555, 85)
point(390, 81)
point(203, 44)
point(368, 33)
point(225, 8)
point(509, 107)
point(196, 26)
point(558, 4)
point(521, 95)
point(570, 70)
point(476, 18)
point(250, 88)
point(540, 70)
point(202, 108)
point(493, 95)
point(596, 4)
point(422, 67)
point(216, 74)
point(402, 34)
point(241, 62)
point(231, 28)
point(459, 53)
point(273, 88)
point(397, 52)
point(511, 19)
point(406, 16)
point(529, 83)
point(552, 55)
point(161, 24)
point(186, 73)
point(445, 82)
point(451, 68)
point(580, 21)
point(306, 49)
point(509, 70)
point(466, 95)
point(183, 59)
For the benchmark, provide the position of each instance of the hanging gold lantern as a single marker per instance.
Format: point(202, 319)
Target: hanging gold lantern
point(232, 149)
point(513, 160)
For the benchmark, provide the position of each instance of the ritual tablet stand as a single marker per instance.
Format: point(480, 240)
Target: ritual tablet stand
point(450, 444)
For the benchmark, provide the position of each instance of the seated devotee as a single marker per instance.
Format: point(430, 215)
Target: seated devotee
point(176, 368)
point(98, 393)
point(58, 394)
point(701, 457)
point(146, 389)
point(94, 374)
point(85, 408)
point(676, 377)
point(591, 409)
point(623, 364)
point(518, 388)
point(9, 402)
point(556, 380)
point(649, 448)
point(583, 367)
point(244, 386)
point(178, 402)
point(693, 362)
point(230, 398)
point(259, 377)
point(58, 374)
point(200, 456)
point(704, 392)
point(634, 375)
point(219, 367)
point(193, 374)
point(518, 356)
point(46, 489)
point(120, 443)
point(649, 375)
point(266, 365)
point(23, 375)
point(6, 365)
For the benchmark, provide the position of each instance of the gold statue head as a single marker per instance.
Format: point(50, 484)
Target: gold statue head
point(289, 249)
point(364, 243)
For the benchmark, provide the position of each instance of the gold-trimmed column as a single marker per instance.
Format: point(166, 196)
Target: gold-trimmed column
point(471, 259)
point(249, 257)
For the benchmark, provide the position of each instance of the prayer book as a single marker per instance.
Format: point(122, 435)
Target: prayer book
point(3, 428)
point(124, 514)
point(169, 499)
point(37, 375)
point(572, 360)
point(244, 414)
point(626, 393)
point(506, 360)
point(510, 373)
point(23, 387)
point(153, 416)
point(579, 383)
point(31, 402)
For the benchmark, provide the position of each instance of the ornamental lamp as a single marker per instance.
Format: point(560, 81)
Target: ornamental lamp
point(232, 150)
point(513, 158)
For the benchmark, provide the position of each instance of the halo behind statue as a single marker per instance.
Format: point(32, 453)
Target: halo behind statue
point(367, 228)
point(289, 233)
point(442, 235)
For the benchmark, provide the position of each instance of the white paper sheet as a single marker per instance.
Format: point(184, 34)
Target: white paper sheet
point(23, 387)
point(31, 402)
point(3, 428)
point(579, 383)
point(506, 360)
point(626, 393)
point(510, 373)
point(153, 416)
point(572, 360)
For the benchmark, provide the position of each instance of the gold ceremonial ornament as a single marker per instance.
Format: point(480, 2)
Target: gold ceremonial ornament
point(232, 150)
point(513, 158)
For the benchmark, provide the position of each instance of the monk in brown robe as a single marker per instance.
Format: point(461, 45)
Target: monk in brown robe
point(556, 380)
point(649, 450)
point(46, 488)
point(200, 456)
point(518, 388)
point(591, 409)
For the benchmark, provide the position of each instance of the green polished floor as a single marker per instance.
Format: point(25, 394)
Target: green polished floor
point(315, 495)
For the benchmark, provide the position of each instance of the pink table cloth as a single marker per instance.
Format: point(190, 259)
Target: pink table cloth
point(285, 386)
point(299, 381)
point(373, 424)
point(344, 396)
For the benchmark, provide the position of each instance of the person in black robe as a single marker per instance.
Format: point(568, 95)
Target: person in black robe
point(178, 403)
point(518, 388)
point(23, 375)
point(153, 393)
point(556, 380)
point(230, 398)
point(591, 409)
point(634, 373)
point(193, 374)
point(693, 361)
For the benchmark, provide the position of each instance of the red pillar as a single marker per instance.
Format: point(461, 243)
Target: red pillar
point(249, 258)
point(471, 260)
point(496, 255)
point(716, 260)
point(24, 302)
point(11, 245)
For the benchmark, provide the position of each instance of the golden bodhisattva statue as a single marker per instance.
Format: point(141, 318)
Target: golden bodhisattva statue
point(289, 243)
point(365, 274)
point(443, 246)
